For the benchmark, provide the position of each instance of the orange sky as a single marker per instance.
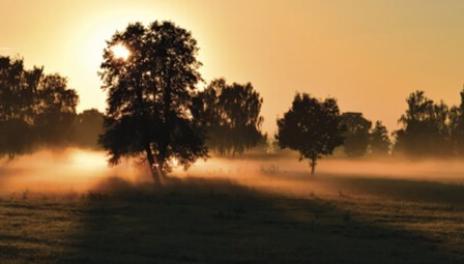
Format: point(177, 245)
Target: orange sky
point(368, 54)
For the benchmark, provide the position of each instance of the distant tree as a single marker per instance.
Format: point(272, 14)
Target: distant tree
point(425, 130)
point(16, 138)
point(379, 140)
point(356, 134)
point(150, 97)
point(35, 109)
point(55, 111)
point(457, 126)
point(16, 106)
point(230, 115)
point(87, 128)
point(263, 145)
point(311, 127)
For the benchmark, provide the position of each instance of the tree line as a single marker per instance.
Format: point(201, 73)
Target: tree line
point(39, 110)
point(430, 128)
point(315, 128)
point(155, 110)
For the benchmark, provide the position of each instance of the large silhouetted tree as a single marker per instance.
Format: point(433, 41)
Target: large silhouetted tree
point(230, 114)
point(35, 109)
point(379, 140)
point(356, 134)
point(425, 129)
point(150, 96)
point(311, 127)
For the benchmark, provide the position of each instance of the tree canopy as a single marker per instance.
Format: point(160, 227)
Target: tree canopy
point(456, 124)
point(150, 96)
point(230, 115)
point(425, 129)
point(356, 134)
point(311, 127)
point(87, 128)
point(379, 141)
point(36, 109)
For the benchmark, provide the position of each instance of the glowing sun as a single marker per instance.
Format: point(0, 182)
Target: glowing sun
point(120, 51)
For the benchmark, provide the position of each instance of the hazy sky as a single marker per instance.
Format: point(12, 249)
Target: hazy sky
point(368, 54)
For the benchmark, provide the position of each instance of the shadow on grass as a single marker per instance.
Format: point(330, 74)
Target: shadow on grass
point(205, 221)
point(406, 189)
point(403, 189)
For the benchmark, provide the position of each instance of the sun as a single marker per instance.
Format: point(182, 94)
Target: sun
point(120, 51)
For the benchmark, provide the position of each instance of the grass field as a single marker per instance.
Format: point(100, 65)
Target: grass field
point(192, 220)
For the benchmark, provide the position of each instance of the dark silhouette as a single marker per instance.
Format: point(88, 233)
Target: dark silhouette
point(311, 127)
point(379, 141)
point(35, 109)
point(457, 127)
point(16, 100)
point(88, 126)
point(425, 131)
point(150, 96)
point(230, 115)
point(55, 111)
point(356, 134)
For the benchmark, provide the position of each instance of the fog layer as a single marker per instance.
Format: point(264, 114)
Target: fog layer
point(63, 171)
point(81, 171)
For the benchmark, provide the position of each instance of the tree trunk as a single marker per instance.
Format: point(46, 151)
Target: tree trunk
point(161, 171)
point(313, 164)
point(165, 142)
point(154, 168)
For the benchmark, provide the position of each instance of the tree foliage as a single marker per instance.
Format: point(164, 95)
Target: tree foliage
point(456, 124)
point(311, 127)
point(425, 126)
point(230, 114)
point(356, 134)
point(35, 109)
point(55, 111)
point(150, 96)
point(425, 129)
point(87, 128)
point(379, 141)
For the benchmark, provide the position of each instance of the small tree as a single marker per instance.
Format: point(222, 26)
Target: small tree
point(150, 92)
point(230, 115)
point(311, 127)
point(379, 141)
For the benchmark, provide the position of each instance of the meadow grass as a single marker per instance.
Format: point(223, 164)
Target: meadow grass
point(215, 221)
